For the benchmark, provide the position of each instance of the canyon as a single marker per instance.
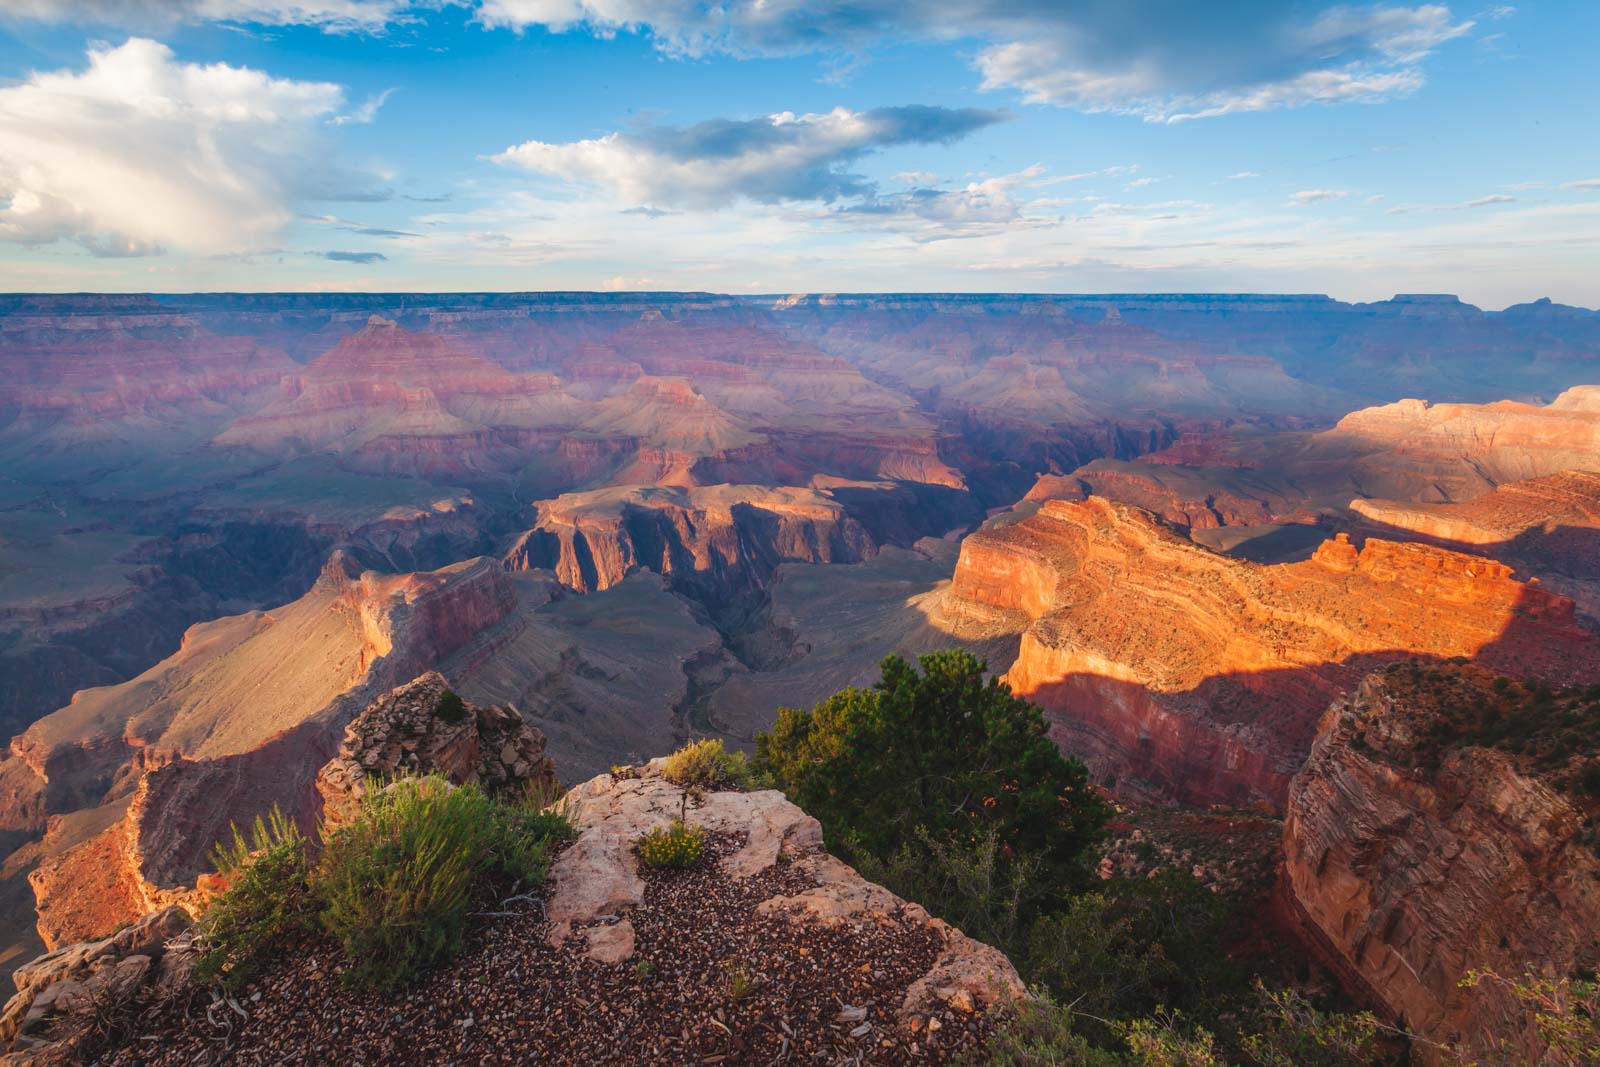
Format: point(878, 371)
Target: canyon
point(1200, 678)
point(1185, 526)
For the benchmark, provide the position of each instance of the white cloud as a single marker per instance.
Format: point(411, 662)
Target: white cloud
point(139, 152)
point(1316, 196)
point(783, 157)
point(335, 16)
point(1164, 61)
point(1243, 174)
point(366, 113)
point(1585, 183)
point(1464, 205)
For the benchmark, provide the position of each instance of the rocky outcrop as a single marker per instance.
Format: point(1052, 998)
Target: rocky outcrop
point(1201, 677)
point(597, 878)
point(1413, 858)
point(424, 728)
point(238, 720)
point(720, 540)
point(790, 899)
point(150, 958)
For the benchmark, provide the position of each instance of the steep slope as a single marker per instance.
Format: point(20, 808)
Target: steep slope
point(1418, 847)
point(230, 717)
point(724, 539)
point(1201, 676)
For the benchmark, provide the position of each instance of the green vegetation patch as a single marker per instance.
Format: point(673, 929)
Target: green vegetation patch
point(393, 888)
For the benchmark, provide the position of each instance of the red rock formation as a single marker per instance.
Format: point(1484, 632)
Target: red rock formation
point(1413, 860)
point(216, 733)
point(1410, 451)
point(1548, 527)
point(1187, 499)
point(1203, 676)
point(725, 537)
point(413, 731)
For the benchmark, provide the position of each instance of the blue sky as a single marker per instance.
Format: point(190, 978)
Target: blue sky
point(786, 145)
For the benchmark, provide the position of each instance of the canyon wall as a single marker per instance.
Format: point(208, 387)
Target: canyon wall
point(1414, 857)
point(236, 721)
point(722, 540)
point(1200, 677)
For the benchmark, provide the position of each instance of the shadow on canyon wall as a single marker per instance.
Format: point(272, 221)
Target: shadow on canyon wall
point(1237, 738)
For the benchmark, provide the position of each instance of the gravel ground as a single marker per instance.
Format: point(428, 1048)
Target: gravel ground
point(710, 982)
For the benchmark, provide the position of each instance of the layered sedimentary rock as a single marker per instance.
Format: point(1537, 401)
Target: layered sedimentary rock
point(419, 729)
point(1200, 676)
point(1414, 858)
point(1184, 498)
point(1410, 451)
point(1548, 526)
point(238, 720)
point(726, 538)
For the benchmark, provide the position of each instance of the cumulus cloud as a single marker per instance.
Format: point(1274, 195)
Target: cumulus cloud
point(783, 157)
point(140, 152)
point(1167, 60)
point(335, 16)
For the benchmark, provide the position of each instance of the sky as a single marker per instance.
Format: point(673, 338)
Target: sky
point(801, 145)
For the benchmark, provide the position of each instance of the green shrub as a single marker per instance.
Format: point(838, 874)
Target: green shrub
point(1589, 778)
point(966, 884)
point(676, 846)
point(451, 708)
point(397, 882)
point(267, 902)
point(1133, 945)
point(1293, 1033)
point(1039, 1033)
point(945, 750)
point(706, 765)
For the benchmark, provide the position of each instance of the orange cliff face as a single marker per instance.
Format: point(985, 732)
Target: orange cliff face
point(1411, 859)
point(1547, 526)
point(238, 719)
point(1200, 677)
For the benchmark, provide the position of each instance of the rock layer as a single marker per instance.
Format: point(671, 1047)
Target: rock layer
point(1201, 676)
point(1412, 873)
point(725, 538)
point(1548, 527)
point(239, 720)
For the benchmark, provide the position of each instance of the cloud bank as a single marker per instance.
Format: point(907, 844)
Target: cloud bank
point(335, 16)
point(783, 157)
point(1165, 60)
point(140, 152)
